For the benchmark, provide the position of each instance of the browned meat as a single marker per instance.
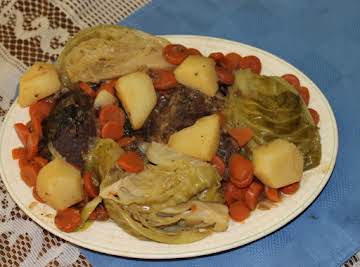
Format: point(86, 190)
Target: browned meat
point(70, 126)
point(176, 109)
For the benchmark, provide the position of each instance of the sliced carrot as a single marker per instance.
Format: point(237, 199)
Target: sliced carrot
point(292, 79)
point(163, 79)
point(304, 93)
point(68, 220)
point(131, 162)
point(232, 61)
point(19, 153)
point(175, 53)
point(127, 140)
point(29, 172)
point(240, 168)
point(108, 86)
point(290, 189)
point(272, 194)
point(219, 164)
point(252, 194)
point(239, 211)
point(91, 189)
point(87, 89)
point(36, 126)
point(32, 145)
point(251, 62)
point(232, 193)
point(22, 132)
point(225, 76)
point(222, 118)
point(40, 161)
point(193, 51)
point(36, 196)
point(41, 109)
point(113, 130)
point(241, 135)
point(111, 113)
point(242, 183)
point(99, 214)
point(315, 115)
point(217, 56)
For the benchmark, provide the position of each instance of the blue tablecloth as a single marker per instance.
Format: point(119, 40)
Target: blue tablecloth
point(321, 38)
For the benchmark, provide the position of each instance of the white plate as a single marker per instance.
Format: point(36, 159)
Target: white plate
point(107, 237)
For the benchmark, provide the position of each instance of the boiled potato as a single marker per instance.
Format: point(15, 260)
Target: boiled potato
point(200, 140)
point(104, 98)
point(137, 95)
point(278, 163)
point(39, 81)
point(59, 184)
point(199, 73)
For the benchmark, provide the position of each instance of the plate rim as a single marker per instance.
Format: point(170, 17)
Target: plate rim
point(236, 244)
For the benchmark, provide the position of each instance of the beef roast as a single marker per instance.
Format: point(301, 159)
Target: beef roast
point(176, 109)
point(70, 126)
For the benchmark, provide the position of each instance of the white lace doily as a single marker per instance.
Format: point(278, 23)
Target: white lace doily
point(30, 31)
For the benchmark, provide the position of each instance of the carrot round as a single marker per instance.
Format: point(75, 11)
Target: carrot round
point(304, 93)
point(315, 115)
point(127, 140)
point(22, 132)
point(251, 62)
point(87, 89)
point(131, 162)
point(18, 153)
point(113, 130)
point(32, 145)
point(99, 214)
point(175, 53)
point(40, 161)
point(241, 135)
point(219, 164)
point(90, 189)
point(290, 189)
point(232, 193)
point(240, 169)
point(225, 76)
point(67, 220)
point(193, 51)
point(239, 211)
point(111, 113)
point(29, 172)
point(252, 194)
point(272, 194)
point(232, 61)
point(217, 56)
point(292, 79)
point(163, 79)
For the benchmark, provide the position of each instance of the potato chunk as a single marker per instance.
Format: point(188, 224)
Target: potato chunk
point(137, 95)
point(104, 98)
point(200, 140)
point(39, 81)
point(59, 184)
point(278, 163)
point(199, 73)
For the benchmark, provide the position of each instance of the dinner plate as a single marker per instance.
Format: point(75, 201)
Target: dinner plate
point(108, 238)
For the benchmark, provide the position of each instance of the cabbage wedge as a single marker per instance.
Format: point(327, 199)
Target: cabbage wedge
point(176, 201)
point(273, 109)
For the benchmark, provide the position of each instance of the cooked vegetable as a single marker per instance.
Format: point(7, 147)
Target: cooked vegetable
point(217, 56)
point(290, 189)
point(241, 135)
point(87, 89)
point(175, 53)
point(241, 170)
point(194, 51)
point(104, 98)
point(39, 81)
point(231, 61)
point(68, 220)
point(199, 73)
point(109, 51)
point(273, 109)
point(304, 93)
point(59, 184)
point(163, 79)
point(219, 164)
point(314, 115)
point(113, 130)
point(39, 111)
point(225, 76)
point(278, 163)
point(29, 172)
point(102, 157)
point(239, 211)
point(272, 194)
point(292, 79)
point(137, 95)
point(22, 132)
point(131, 162)
point(18, 153)
point(165, 202)
point(88, 209)
point(111, 113)
point(252, 194)
point(90, 188)
point(200, 140)
point(251, 62)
